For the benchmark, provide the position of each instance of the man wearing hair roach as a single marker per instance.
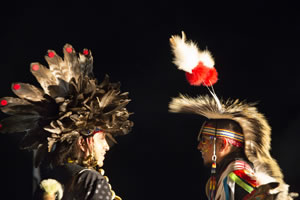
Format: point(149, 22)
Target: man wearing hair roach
point(235, 139)
point(70, 122)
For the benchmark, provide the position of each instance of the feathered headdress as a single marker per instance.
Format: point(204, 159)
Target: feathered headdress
point(69, 103)
point(256, 130)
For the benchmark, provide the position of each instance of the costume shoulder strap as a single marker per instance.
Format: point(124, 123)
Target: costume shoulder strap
point(243, 175)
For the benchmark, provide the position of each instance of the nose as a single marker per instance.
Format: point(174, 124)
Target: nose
point(106, 146)
point(200, 145)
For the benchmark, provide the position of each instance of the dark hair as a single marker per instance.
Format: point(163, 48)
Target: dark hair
point(227, 124)
point(64, 151)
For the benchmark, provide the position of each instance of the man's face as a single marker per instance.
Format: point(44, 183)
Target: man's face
point(100, 147)
point(206, 146)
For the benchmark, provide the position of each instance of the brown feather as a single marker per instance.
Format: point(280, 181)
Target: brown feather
point(54, 64)
point(16, 106)
point(86, 64)
point(29, 92)
point(44, 77)
point(72, 67)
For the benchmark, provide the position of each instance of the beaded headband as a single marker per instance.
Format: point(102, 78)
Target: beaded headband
point(208, 130)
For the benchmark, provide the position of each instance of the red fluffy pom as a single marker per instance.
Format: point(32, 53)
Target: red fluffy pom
point(202, 75)
point(212, 77)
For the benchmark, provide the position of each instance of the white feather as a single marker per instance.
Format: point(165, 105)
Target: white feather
point(187, 54)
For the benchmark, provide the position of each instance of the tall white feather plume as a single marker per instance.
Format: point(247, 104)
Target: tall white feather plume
point(187, 55)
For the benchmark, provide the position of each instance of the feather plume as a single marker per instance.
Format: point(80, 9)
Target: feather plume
point(187, 54)
point(198, 65)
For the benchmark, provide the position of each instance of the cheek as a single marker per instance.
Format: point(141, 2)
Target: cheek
point(99, 145)
point(206, 147)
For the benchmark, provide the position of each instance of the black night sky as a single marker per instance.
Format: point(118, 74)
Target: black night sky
point(256, 50)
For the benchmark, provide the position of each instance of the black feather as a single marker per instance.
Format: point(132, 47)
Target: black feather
point(18, 123)
point(33, 139)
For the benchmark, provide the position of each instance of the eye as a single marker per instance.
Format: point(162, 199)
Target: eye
point(203, 140)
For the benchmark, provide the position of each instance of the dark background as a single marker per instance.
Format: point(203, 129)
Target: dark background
point(256, 49)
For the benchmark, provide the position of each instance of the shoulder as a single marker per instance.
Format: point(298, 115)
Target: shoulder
point(91, 184)
point(241, 180)
point(243, 174)
point(64, 173)
point(88, 176)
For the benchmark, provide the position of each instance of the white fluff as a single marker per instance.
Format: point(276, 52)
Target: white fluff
point(187, 54)
point(51, 186)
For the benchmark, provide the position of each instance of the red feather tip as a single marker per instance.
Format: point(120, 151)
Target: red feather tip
point(85, 52)
point(202, 75)
point(3, 102)
point(35, 67)
point(16, 86)
point(69, 49)
point(51, 54)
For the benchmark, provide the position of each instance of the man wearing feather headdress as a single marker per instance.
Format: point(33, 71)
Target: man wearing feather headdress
point(235, 139)
point(70, 122)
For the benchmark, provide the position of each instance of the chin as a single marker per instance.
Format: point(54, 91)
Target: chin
point(207, 164)
point(100, 163)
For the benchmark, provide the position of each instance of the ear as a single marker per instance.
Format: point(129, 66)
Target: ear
point(90, 143)
point(81, 143)
point(223, 144)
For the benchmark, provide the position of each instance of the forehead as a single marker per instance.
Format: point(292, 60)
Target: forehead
point(201, 130)
point(208, 129)
point(99, 135)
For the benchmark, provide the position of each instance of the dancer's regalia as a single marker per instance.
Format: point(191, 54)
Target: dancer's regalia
point(250, 174)
point(70, 104)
